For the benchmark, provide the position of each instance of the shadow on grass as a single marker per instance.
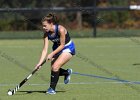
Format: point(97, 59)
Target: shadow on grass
point(30, 92)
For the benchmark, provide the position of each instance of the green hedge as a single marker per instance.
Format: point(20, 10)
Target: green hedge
point(20, 34)
point(73, 33)
point(118, 33)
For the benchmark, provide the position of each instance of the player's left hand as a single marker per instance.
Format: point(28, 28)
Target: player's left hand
point(50, 56)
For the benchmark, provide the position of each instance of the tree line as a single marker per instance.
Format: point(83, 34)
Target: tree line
point(105, 19)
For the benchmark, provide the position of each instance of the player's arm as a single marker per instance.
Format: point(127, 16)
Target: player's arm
point(44, 50)
point(62, 32)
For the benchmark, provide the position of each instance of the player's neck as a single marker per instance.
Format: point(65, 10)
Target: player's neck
point(52, 30)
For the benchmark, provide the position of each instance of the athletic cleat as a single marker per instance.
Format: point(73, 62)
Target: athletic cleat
point(50, 91)
point(67, 77)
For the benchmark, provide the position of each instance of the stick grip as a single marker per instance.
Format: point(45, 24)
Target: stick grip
point(43, 62)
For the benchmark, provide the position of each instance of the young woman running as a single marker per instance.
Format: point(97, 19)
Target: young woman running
point(63, 50)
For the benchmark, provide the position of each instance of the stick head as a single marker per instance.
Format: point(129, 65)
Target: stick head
point(9, 92)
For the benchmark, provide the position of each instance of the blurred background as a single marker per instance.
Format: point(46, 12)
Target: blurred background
point(83, 18)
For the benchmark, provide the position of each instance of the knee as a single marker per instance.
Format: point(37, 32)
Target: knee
point(55, 67)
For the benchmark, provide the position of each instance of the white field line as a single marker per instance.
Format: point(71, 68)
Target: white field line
point(122, 46)
point(74, 83)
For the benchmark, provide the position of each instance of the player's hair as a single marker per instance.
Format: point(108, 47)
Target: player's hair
point(50, 18)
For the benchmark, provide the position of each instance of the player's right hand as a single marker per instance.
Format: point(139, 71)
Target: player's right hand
point(37, 66)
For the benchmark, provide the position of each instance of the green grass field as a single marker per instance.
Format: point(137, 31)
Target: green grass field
point(98, 62)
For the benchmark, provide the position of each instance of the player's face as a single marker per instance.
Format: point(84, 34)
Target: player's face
point(46, 26)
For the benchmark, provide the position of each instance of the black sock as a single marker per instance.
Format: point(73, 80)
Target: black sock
point(54, 79)
point(63, 72)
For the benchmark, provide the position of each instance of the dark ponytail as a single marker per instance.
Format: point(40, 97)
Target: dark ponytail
point(50, 18)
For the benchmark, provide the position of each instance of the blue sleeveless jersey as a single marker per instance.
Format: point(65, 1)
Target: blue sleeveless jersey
point(55, 38)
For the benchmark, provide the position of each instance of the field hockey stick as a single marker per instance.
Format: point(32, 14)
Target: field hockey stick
point(12, 92)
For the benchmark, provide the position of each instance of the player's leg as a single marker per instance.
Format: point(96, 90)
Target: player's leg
point(57, 63)
point(66, 74)
point(64, 58)
point(53, 78)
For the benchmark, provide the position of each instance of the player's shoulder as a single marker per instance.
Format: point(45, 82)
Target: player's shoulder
point(61, 28)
